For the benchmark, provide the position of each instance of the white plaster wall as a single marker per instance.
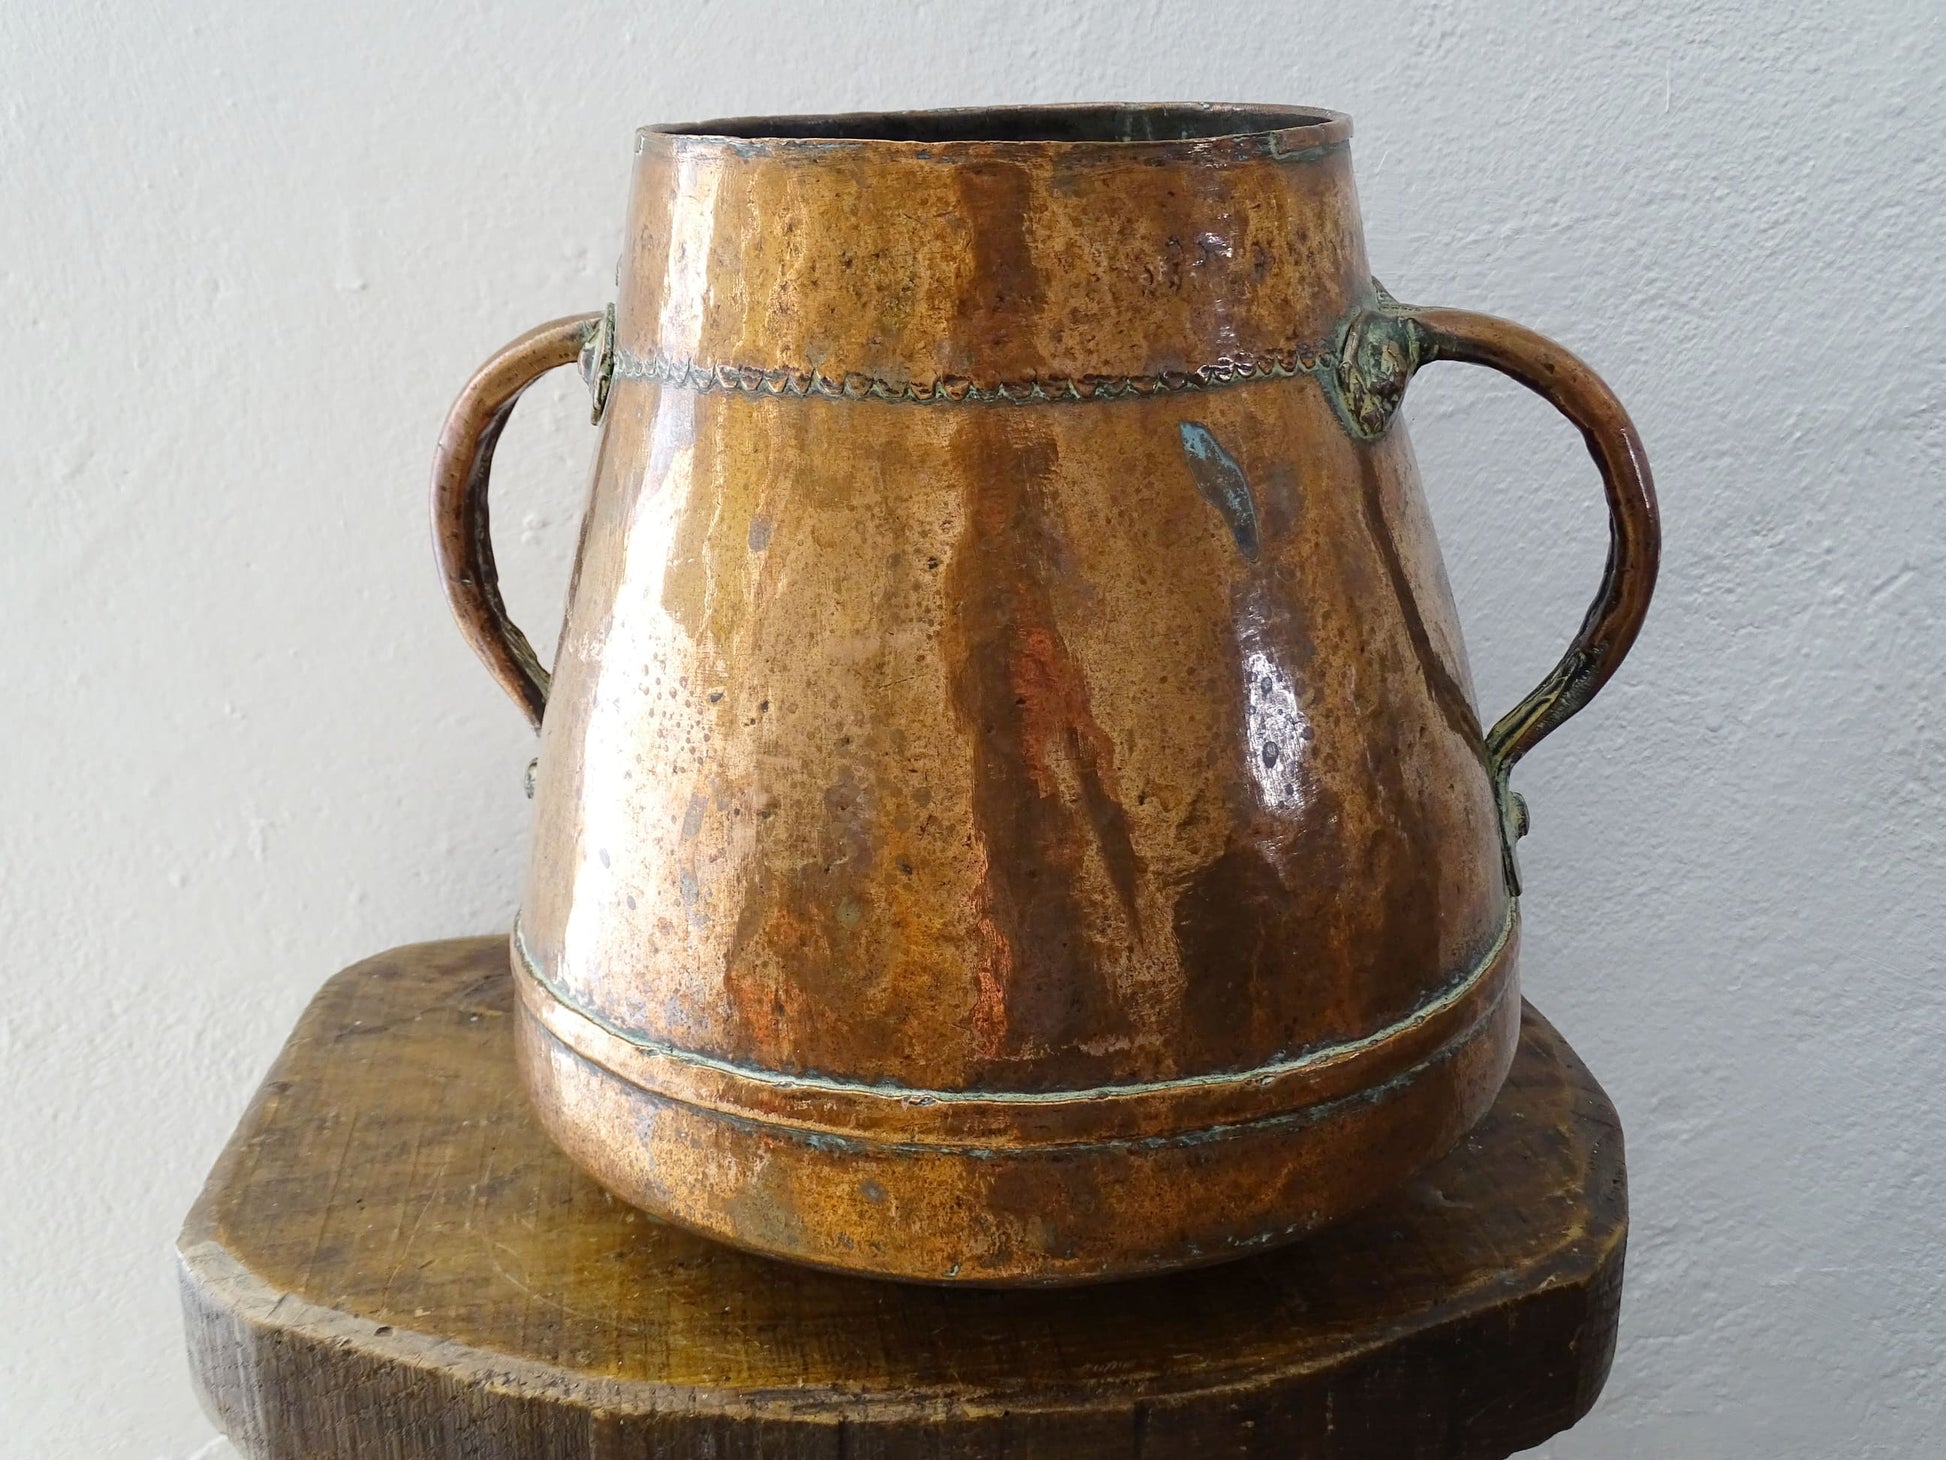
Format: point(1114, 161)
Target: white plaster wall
point(249, 251)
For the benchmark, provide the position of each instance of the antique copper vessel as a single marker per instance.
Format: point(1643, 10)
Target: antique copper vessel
point(1010, 805)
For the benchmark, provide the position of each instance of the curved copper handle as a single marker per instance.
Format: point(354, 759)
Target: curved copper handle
point(460, 469)
point(1381, 349)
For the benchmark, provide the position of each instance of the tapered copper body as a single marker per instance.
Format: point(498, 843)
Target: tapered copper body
point(1011, 805)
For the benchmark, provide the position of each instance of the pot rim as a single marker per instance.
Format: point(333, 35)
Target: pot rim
point(1185, 130)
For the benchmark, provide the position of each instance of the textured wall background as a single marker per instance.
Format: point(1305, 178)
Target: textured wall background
point(249, 252)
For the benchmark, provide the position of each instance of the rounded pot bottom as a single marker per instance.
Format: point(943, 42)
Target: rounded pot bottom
point(1025, 1189)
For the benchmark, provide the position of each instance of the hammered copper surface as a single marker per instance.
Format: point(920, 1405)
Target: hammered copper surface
point(1011, 806)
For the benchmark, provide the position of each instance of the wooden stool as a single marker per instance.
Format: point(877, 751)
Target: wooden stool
point(391, 1262)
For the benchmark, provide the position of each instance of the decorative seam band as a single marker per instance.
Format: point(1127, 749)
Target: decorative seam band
point(1186, 1107)
point(792, 382)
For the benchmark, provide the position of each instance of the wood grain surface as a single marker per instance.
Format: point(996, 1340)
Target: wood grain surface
point(391, 1262)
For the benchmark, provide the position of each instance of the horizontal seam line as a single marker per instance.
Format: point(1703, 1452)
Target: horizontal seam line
point(919, 1096)
point(789, 382)
point(833, 1137)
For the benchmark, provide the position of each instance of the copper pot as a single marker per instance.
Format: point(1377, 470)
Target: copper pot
point(1010, 804)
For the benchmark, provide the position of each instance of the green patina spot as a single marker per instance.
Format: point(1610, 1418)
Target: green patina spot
point(1222, 483)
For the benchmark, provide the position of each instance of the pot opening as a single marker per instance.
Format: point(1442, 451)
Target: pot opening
point(1084, 123)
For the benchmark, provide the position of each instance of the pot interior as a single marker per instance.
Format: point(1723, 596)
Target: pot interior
point(1085, 123)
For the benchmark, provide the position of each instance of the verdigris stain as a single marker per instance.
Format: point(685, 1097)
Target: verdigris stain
point(1222, 483)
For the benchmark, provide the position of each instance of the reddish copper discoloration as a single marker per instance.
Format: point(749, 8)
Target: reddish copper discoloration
point(1014, 842)
point(1043, 793)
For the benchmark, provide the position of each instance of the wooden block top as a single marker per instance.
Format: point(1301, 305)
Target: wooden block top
point(391, 1259)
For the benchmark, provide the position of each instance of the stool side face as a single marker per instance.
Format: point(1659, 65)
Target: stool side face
point(389, 1222)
